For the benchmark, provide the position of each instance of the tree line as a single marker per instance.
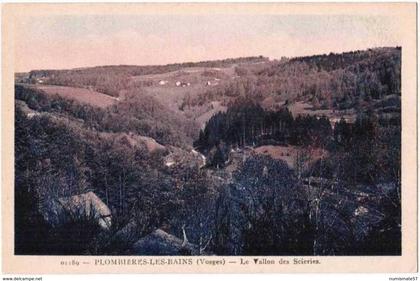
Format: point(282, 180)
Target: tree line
point(369, 148)
point(247, 123)
point(110, 80)
point(334, 81)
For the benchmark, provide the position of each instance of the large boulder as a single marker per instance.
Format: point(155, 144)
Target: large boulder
point(162, 243)
point(86, 206)
point(132, 140)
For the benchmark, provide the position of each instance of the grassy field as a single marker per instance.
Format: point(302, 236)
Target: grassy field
point(303, 108)
point(79, 94)
point(195, 81)
point(290, 153)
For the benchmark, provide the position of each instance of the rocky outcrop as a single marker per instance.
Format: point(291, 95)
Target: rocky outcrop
point(133, 140)
point(86, 206)
point(151, 144)
point(162, 243)
point(128, 234)
point(178, 157)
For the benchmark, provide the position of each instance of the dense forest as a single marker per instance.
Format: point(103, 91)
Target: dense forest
point(370, 146)
point(339, 81)
point(247, 123)
point(140, 114)
point(259, 178)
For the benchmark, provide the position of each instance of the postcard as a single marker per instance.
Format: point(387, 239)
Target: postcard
point(209, 137)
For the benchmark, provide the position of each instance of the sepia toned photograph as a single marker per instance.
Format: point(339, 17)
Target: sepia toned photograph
point(209, 133)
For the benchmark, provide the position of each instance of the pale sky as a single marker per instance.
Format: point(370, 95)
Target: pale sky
point(58, 42)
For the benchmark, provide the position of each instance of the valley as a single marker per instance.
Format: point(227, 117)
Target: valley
point(245, 156)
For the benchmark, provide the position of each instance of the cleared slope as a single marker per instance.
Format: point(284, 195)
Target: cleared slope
point(79, 94)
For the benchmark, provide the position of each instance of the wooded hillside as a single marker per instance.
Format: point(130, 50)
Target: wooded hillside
point(247, 156)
